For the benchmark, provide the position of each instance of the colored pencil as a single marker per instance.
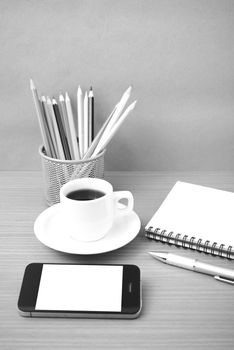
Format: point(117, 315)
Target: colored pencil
point(75, 146)
point(60, 151)
point(49, 127)
point(61, 130)
point(66, 124)
point(40, 118)
point(80, 120)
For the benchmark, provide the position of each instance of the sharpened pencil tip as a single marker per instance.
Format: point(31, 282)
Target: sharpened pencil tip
point(91, 92)
point(79, 91)
point(32, 85)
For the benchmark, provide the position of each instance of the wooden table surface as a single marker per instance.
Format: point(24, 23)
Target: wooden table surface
point(181, 309)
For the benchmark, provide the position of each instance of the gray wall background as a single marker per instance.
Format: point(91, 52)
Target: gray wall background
point(177, 54)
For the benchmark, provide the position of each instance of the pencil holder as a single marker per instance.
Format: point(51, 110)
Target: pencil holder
point(57, 172)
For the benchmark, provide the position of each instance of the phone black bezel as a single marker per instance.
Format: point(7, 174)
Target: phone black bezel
point(131, 298)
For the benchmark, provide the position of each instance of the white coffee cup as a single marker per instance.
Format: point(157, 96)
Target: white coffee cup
point(90, 220)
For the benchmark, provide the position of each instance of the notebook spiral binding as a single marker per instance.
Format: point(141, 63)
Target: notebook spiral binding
point(190, 242)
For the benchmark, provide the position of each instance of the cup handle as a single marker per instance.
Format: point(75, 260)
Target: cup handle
point(118, 195)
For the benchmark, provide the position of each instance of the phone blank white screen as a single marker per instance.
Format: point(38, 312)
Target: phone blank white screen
point(80, 288)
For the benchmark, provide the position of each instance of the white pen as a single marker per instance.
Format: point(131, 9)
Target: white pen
point(91, 116)
point(120, 106)
point(86, 123)
point(104, 141)
point(219, 273)
point(98, 137)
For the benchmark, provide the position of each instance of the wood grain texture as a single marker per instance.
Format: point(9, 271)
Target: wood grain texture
point(181, 309)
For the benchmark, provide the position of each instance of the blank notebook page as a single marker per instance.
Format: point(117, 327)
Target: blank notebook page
point(197, 211)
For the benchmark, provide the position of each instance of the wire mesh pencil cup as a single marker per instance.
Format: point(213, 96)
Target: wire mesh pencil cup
point(57, 172)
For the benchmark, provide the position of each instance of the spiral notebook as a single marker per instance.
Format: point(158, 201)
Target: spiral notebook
point(196, 217)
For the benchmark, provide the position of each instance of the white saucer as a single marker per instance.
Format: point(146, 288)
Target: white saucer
point(49, 231)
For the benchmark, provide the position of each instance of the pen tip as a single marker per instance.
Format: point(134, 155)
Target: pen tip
point(132, 105)
point(159, 255)
point(91, 89)
point(152, 253)
point(129, 89)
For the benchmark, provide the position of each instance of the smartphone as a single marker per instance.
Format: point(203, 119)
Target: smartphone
point(72, 290)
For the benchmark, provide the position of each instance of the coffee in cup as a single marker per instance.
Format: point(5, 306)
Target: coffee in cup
point(85, 194)
point(89, 207)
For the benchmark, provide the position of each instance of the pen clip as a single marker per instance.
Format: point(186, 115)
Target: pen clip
point(221, 279)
